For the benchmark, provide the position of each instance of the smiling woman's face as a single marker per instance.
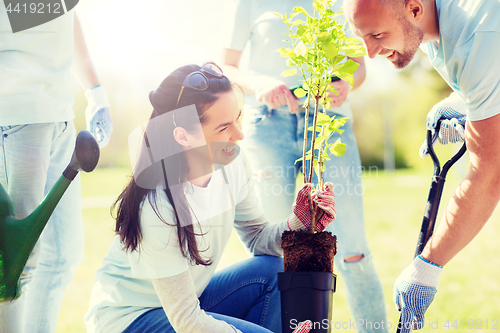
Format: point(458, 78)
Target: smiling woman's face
point(222, 128)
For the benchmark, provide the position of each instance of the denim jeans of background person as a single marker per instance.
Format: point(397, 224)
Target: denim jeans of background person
point(37, 139)
point(274, 141)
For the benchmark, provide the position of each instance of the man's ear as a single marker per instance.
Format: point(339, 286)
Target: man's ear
point(182, 136)
point(414, 10)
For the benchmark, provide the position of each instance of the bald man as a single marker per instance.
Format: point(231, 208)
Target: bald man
point(462, 40)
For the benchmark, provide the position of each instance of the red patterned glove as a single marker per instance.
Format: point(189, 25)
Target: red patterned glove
point(323, 203)
point(326, 204)
point(303, 327)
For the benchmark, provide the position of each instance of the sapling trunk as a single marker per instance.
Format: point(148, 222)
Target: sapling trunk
point(304, 151)
point(313, 212)
point(320, 159)
point(304, 162)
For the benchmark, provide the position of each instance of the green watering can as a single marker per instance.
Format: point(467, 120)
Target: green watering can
point(18, 237)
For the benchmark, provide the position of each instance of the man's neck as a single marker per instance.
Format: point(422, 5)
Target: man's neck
point(430, 22)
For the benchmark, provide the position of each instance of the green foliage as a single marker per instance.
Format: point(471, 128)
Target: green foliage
point(320, 51)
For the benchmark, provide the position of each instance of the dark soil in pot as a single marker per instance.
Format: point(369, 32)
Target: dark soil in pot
point(305, 252)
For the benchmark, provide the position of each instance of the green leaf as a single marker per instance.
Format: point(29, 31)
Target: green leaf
point(349, 67)
point(353, 51)
point(298, 21)
point(299, 92)
point(338, 148)
point(330, 50)
point(301, 30)
point(301, 10)
point(352, 40)
point(285, 52)
point(289, 72)
point(319, 140)
point(318, 128)
point(323, 119)
point(301, 49)
point(346, 77)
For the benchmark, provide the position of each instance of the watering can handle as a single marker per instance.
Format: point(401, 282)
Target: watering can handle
point(85, 157)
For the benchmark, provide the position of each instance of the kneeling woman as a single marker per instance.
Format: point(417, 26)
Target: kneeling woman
point(175, 217)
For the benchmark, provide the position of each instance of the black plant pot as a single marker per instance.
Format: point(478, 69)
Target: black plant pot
point(307, 295)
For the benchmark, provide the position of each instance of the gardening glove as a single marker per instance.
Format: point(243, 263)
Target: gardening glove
point(97, 115)
point(303, 327)
point(324, 200)
point(414, 291)
point(452, 113)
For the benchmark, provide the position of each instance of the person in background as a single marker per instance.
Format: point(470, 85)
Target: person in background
point(461, 38)
point(37, 139)
point(274, 124)
point(175, 217)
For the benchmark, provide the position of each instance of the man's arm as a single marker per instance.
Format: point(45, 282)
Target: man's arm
point(270, 91)
point(82, 64)
point(475, 198)
point(97, 113)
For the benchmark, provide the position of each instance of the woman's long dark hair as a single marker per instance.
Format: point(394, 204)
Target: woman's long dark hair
point(164, 99)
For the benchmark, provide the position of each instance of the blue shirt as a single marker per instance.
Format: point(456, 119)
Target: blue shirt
point(467, 54)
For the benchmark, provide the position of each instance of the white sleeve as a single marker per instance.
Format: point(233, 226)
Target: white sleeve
point(178, 298)
point(261, 236)
point(159, 254)
point(236, 24)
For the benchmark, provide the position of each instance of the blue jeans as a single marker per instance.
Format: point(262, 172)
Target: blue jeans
point(32, 158)
point(273, 141)
point(244, 295)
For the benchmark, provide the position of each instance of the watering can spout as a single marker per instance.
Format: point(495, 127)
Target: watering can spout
point(18, 237)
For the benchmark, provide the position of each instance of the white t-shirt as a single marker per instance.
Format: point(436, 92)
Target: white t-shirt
point(123, 289)
point(254, 25)
point(35, 76)
point(466, 55)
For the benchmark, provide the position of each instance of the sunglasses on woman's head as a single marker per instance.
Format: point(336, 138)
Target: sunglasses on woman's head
point(198, 80)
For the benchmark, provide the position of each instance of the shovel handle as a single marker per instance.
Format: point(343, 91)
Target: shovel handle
point(434, 197)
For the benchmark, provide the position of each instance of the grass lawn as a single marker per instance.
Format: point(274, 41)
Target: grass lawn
point(468, 295)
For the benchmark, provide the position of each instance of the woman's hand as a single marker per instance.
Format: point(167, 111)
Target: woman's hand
point(326, 204)
point(303, 327)
point(323, 203)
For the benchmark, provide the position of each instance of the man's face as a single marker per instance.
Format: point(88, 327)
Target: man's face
point(384, 31)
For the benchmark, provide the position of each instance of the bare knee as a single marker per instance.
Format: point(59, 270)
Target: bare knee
point(354, 258)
